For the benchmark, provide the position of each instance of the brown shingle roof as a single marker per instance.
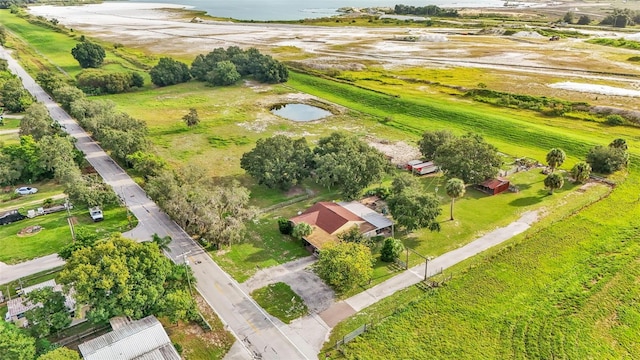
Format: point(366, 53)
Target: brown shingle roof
point(327, 216)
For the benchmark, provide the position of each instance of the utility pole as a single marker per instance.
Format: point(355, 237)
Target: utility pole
point(186, 267)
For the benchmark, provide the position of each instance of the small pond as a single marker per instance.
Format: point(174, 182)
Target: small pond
point(300, 112)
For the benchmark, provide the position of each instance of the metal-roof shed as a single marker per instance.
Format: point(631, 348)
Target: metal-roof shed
point(143, 339)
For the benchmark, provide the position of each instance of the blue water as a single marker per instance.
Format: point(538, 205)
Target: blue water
point(300, 112)
point(297, 9)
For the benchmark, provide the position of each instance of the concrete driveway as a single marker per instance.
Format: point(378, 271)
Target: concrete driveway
point(302, 280)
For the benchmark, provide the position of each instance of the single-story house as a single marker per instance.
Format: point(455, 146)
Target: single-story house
point(16, 308)
point(494, 186)
point(140, 339)
point(328, 219)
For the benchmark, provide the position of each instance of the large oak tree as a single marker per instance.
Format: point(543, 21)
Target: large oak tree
point(468, 158)
point(278, 162)
point(347, 163)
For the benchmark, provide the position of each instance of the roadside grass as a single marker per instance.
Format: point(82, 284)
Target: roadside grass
point(29, 280)
point(10, 123)
point(46, 189)
point(280, 301)
point(554, 291)
point(55, 233)
point(197, 343)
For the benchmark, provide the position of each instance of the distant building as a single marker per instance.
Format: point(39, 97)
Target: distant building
point(17, 308)
point(143, 339)
point(494, 186)
point(329, 219)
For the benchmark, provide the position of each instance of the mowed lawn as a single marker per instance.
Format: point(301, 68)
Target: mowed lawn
point(55, 233)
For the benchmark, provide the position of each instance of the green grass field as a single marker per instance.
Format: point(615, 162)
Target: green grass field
point(567, 288)
point(55, 233)
point(280, 301)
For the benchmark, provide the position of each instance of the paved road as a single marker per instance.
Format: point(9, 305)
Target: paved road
point(249, 323)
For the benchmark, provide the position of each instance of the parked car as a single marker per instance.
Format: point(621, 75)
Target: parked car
point(96, 214)
point(26, 190)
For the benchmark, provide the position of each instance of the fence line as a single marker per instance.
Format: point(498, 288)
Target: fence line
point(352, 335)
point(285, 203)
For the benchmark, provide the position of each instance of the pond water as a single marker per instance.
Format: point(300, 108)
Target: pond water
point(300, 112)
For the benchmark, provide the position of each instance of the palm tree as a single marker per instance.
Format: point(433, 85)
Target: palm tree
point(555, 158)
point(553, 182)
point(581, 172)
point(162, 242)
point(455, 189)
point(301, 230)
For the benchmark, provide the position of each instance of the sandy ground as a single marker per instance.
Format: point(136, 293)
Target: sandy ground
point(525, 60)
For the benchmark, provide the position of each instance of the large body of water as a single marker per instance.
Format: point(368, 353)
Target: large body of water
point(297, 9)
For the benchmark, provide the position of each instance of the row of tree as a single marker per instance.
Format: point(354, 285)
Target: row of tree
point(221, 67)
point(215, 214)
point(338, 161)
point(429, 10)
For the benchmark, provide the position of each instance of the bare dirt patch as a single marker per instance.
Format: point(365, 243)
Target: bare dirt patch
point(400, 152)
point(30, 230)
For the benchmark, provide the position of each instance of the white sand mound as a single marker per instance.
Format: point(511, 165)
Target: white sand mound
point(527, 34)
point(633, 37)
point(595, 89)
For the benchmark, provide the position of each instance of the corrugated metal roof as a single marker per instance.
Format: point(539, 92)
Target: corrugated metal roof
point(48, 283)
point(374, 218)
point(141, 339)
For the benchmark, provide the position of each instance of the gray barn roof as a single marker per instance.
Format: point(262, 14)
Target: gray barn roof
point(144, 339)
point(374, 218)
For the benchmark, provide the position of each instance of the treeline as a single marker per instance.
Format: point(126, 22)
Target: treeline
point(46, 152)
point(221, 67)
point(429, 10)
point(622, 18)
point(339, 161)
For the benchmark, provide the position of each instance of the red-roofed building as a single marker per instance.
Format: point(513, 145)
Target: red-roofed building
point(329, 219)
point(494, 186)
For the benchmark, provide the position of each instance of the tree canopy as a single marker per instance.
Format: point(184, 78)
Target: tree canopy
point(607, 159)
point(61, 353)
point(432, 140)
point(225, 67)
point(118, 277)
point(214, 213)
point(191, 118)
point(455, 189)
point(468, 158)
point(391, 249)
point(553, 181)
point(49, 318)
point(88, 54)
point(278, 161)
point(15, 344)
point(581, 172)
point(169, 72)
point(36, 122)
point(347, 163)
point(555, 158)
point(414, 209)
point(344, 265)
point(14, 97)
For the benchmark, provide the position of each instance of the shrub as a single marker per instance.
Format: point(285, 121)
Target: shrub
point(606, 159)
point(614, 120)
point(285, 226)
point(391, 249)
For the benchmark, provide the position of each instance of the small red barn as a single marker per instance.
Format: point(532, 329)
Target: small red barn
point(494, 186)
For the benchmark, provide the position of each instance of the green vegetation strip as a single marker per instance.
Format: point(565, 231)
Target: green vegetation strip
point(621, 43)
point(415, 115)
point(280, 301)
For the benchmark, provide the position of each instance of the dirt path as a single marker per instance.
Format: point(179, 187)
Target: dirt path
point(11, 131)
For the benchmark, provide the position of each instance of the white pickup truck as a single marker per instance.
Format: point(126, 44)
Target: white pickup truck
point(96, 214)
